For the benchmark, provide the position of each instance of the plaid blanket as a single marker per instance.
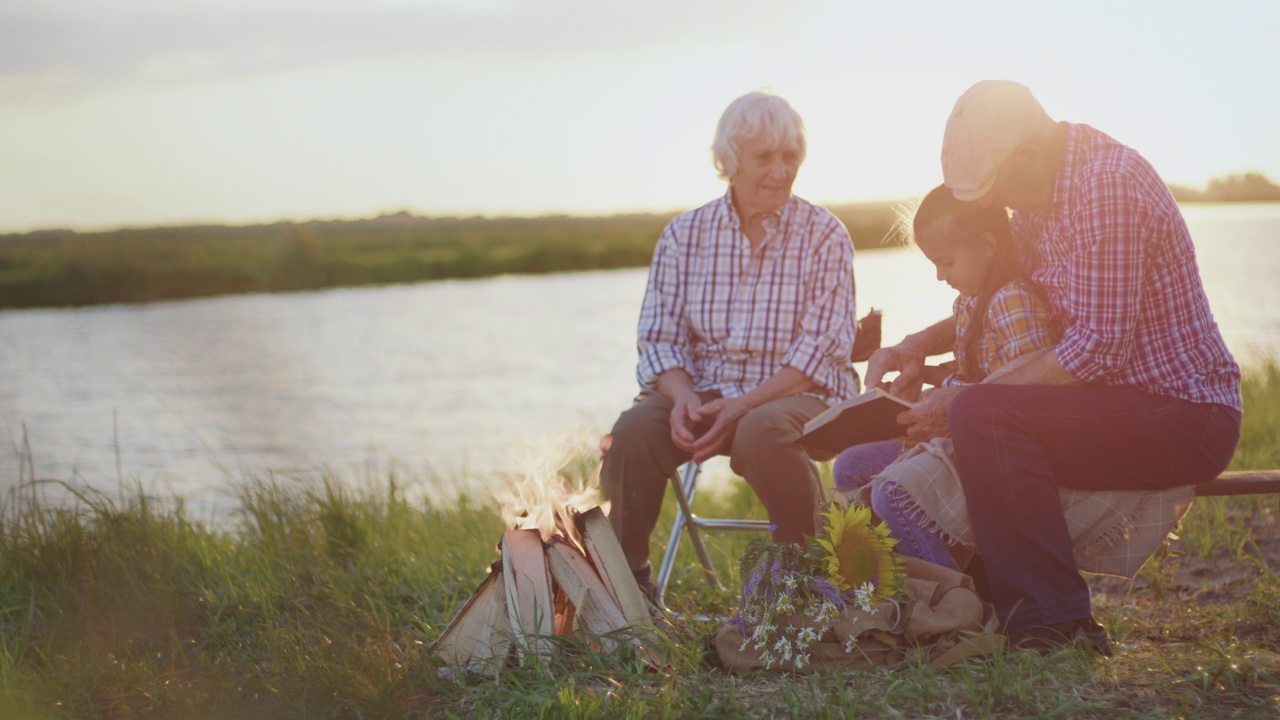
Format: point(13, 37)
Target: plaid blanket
point(1113, 531)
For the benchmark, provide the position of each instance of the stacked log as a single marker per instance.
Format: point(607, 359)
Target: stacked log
point(577, 581)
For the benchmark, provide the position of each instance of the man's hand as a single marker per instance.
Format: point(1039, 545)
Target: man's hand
point(909, 365)
point(928, 419)
point(723, 414)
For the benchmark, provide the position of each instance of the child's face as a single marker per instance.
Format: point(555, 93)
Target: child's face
point(961, 262)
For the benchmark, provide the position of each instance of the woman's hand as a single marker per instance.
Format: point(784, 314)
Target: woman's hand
point(684, 420)
point(928, 419)
point(723, 414)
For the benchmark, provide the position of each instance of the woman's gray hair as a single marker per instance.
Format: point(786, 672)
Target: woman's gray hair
point(749, 115)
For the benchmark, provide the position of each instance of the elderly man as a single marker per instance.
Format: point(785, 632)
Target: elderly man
point(744, 335)
point(1140, 393)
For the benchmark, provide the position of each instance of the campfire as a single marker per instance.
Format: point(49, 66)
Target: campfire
point(561, 573)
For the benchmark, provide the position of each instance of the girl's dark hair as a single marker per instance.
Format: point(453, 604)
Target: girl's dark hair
point(963, 222)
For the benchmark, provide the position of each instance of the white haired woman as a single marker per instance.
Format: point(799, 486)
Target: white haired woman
point(745, 333)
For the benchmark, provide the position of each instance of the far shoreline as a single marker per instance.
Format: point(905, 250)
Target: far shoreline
point(65, 268)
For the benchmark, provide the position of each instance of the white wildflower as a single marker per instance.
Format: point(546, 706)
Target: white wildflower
point(767, 658)
point(828, 613)
point(864, 598)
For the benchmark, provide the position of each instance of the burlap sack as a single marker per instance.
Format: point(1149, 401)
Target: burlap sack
point(941, 620)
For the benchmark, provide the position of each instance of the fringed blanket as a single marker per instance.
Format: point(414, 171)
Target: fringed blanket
point(1113, 531)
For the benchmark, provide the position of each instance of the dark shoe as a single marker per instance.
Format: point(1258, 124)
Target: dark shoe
point(1084, 633)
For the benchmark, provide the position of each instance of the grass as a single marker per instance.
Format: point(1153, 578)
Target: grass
point(320, 600)
point(65, 268)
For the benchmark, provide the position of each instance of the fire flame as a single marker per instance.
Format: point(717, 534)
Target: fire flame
point(542, 496)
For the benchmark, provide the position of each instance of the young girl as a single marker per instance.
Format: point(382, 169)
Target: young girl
point(999, 316)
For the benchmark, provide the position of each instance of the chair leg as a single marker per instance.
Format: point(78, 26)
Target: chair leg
point(684, 491)
point(669, 558)
point(685, 486)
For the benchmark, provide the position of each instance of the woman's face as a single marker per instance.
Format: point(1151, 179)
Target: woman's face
point(765, 174)
point(961, 262)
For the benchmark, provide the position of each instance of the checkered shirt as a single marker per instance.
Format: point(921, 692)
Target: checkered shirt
point(1016, 322)
point(1116, 258)
point(732, 318)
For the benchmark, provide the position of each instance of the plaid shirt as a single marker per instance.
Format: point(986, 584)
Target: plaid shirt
point(732, 317)
point(1016, 322)
point(1116, 258)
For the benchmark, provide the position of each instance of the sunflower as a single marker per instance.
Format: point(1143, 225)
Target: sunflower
point(858, 553)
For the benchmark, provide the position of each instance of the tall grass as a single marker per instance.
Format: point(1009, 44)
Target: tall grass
point(320, 599)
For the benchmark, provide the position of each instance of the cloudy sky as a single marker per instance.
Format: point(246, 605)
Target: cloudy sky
point(137, 112)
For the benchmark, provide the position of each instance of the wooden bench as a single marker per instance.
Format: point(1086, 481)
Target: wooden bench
point(1241, 482)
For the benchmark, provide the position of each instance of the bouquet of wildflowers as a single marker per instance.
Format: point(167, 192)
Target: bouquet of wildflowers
point(792, 594)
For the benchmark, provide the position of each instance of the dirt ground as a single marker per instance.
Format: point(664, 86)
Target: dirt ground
point(1181, 596)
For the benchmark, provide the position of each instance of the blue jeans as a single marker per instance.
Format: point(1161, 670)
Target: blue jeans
point(1017, 444)
point(855, 466)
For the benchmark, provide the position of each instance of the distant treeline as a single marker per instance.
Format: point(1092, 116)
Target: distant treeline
point(52, 268)
point(1246, 187)
point(65, 268)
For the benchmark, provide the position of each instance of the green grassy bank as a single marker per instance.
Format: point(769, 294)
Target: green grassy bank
point(321, 601)
point(65, 268)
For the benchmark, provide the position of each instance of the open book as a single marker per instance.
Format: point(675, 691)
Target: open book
point(865, 418)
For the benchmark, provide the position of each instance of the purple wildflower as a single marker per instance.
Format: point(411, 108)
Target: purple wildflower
point(776, 571)
point(829, 591)
point(753, 582)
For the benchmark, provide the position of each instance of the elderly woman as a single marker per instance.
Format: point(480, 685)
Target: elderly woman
point(744, 335)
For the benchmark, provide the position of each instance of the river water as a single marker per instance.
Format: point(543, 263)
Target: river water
point(445, 382)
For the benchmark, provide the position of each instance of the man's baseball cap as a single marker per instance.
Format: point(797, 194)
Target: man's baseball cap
point(989, 122)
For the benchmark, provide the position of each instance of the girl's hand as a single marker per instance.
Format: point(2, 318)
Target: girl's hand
point(909, 365)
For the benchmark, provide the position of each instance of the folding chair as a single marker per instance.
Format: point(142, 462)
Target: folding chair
point(685, 484)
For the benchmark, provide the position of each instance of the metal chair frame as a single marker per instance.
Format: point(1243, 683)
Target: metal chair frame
point(685, 484)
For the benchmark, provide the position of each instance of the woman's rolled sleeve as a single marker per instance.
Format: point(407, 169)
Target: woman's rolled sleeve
point(821, 350)
point(662, 337)
point(807, 356)
point(656, 359)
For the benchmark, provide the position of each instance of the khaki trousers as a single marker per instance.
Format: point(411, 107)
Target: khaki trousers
point(641, 457)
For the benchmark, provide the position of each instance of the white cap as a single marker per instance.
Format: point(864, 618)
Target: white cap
point(989, 122)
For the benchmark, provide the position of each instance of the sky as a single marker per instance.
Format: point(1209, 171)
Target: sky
point(127, 113)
